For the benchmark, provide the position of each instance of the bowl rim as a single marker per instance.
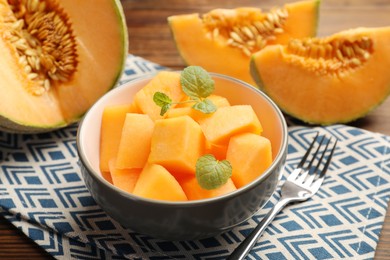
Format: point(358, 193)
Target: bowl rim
point(279, 157)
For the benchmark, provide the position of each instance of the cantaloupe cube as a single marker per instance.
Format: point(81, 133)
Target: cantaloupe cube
point(229, 121)
point(134, 146)
point(219, 101)
point(166, 82)
point(218, 150)
point(186, 111)
point(124, 179)
point(155, 182)
point(110, 133)
point(177, 143)
point(194, 191)
point(107, 176)
point(249, 155)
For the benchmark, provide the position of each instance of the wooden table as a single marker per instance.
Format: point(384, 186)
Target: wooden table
point(149, 37)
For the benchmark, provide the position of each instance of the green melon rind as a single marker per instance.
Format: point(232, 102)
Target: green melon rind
point(13, 126)
point(255, 73)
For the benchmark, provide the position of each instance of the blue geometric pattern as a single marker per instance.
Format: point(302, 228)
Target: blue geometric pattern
point(42, 193)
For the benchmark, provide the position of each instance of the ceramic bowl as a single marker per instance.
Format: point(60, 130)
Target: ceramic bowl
point(191, 219)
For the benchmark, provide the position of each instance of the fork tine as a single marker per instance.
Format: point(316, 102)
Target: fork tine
point(321, 174)
point(303, 160)
point(328, 161)
point(303, 176)
point(312, 176)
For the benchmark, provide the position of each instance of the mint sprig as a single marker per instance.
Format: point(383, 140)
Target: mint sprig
point(211, 173)
point(197, 84)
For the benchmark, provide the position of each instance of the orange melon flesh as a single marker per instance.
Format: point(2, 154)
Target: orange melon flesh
point(155, 182)
point(177, 144)
point(166, 82)
point(229, 121)
point(217, 100)
point(113, 118)
point(249, 155)
point(98, 71)
point(194, 191)
point(185, 109)
point(107, 176)
point(124, 179)
point(218, 150)
point(134, 146)
point(327, 98)
point(197, 47)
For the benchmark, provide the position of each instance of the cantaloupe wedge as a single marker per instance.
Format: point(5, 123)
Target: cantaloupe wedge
point(110, 133)
point(249, 155)
point(193, 190)
point(155, 182)
point(134, 146)
point(177, 144)
point(166, 82)
point(124, 179)
point(229, 121)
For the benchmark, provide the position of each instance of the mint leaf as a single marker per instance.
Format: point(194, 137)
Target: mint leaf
point(212, 173)
point(164, 109)
point(206, 106)
point(196, 82)
point(161, 99)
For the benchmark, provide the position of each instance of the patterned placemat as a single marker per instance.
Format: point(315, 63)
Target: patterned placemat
point(43, 194)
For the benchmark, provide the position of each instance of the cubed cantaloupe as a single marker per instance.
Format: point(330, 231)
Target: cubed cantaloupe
point(113, 118)
point(249, 155)
point(218, 150)
point(186, 111)
point(167, 82)
point(155, 182)
point(134, 146)
point(218, 100)
point(228, 121)
point(177, 144)
point(194, 191)
point(124, 179)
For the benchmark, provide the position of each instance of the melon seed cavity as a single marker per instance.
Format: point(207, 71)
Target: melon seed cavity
point(42, 35)
point(249, 36)
point(330, 56)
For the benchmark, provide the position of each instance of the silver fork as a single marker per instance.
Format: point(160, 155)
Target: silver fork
point(300, 185)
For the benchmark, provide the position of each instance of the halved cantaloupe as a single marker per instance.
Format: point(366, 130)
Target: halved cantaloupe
point(223, 39)
point(329, 80)
point(57, 60)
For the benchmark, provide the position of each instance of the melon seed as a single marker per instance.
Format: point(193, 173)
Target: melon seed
point(42, 35)
point(251, 37)
point(330, 55)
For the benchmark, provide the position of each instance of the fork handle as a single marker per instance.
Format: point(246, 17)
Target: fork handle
point(247, 244)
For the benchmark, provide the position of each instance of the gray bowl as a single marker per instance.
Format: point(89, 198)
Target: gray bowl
point(192, 219)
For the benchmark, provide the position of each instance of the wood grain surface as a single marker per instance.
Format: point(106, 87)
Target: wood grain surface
point(150, 38)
